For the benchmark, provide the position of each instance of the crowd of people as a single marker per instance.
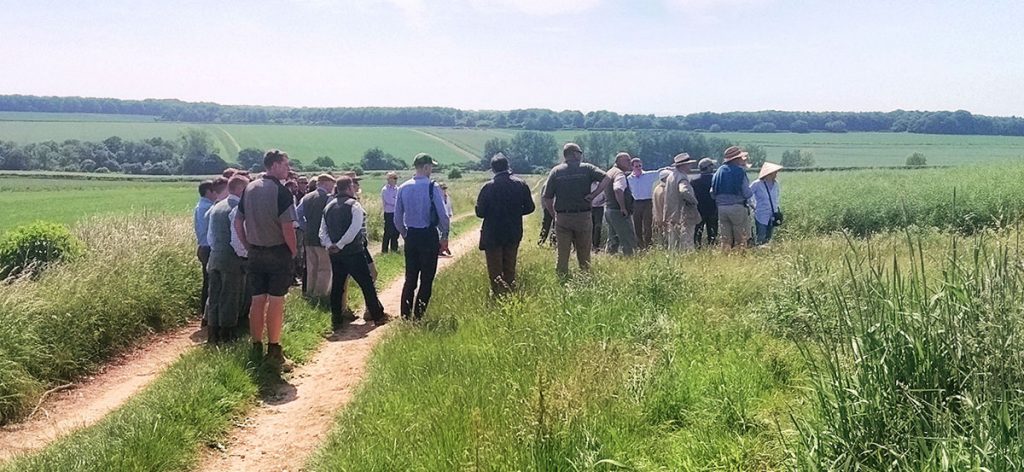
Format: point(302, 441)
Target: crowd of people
point(258, 235)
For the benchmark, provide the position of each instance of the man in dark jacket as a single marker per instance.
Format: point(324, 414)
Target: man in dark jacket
point(705, 204)
point(502, 203)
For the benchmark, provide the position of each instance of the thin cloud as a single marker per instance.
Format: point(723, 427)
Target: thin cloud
point(538, 7)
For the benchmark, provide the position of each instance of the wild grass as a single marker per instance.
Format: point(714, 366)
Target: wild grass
point(648, 363)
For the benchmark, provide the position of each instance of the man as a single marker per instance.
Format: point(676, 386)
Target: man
point(210, 192)
point(423, 223)
point(680, 204)
point(641, 185)
point(310, 214)
point(226, 267)
point(265, 227)
point(597, 217)
point(567, 195)
point(617, 207)
point(705, 205)
point(343, 235)
point(546, 222)
point(502, 203)
point(388, 196)
point(660, 233)
point(731, 189)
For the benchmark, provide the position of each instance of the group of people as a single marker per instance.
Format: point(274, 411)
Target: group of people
point(665, 207)
point(253, 231)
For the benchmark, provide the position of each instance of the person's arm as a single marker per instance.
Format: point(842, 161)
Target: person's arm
point(400, 215)
point(197, 224)
point(605, 182)
point(686, 192)
point(300, 215)
point(619, 187)
point(325, 237)
point(482, 201)
point(288, 230)
point(528, 205)
point(747, 192)
point(549, 204)
point(286, 216)
point(358, 215)
point(209, 228)
point(240, 229)
point(443, 222)
point(755, 194)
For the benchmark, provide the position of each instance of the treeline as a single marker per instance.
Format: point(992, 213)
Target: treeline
point(940, 122)
point(536, 151)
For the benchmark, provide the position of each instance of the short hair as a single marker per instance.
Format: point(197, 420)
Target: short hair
point(291, 184)
point(344, 184)
point(324, 178)
point(219, 184)
point(213, 185)
point(273, 156)
point(636, 160)
point(204, 187)
point(499, 163)
point(392, 174)
point(229, 172)
point(237, 182)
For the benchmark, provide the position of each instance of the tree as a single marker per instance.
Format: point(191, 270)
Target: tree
point(534, 148)
point(757, 155)
point(251, 158)
point(324, 162)
point(916, 159)
point(797, 158)
point(800, 126)
point(715, 128)
point(836, 126)
point(492, 147)
point(206, 165)
point(196, 142)
point(455, 173)
point(764, 127)
point(376, 159)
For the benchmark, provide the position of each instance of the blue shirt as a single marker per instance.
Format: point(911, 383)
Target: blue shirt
point(766, 197)
point(412, 209)
point(642, 186)
point(730, 186)
point(199, 221)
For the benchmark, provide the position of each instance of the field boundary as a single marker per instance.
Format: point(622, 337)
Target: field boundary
point(469, 156)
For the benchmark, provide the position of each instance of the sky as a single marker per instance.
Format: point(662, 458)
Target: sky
point(665, 57)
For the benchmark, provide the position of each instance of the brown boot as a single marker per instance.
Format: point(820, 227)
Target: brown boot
point(275, 356)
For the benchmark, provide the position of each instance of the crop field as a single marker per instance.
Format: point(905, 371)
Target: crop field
point(881, 330)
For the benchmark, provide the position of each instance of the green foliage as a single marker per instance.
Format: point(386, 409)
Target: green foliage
point(376, 159)
point(797, 158)
point(533, 148)
point(836, 126)
point(251, 159)
point(492, 147)
point(764, 127)
point(916, 159)
point(209, 164)
point(454, 173)
point(324, 162)
point(28, 249)
point(800, 126)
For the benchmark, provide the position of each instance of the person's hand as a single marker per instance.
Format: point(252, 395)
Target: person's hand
point(373, 272)
point(588, 197)
point(444, 246)
point(199, 250)
point(624, 212)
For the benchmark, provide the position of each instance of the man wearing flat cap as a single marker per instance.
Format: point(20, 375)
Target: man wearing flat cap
point(422, 221)
point(567, 195)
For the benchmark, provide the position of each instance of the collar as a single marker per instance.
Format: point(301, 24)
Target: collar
point(233, 198)
point(205, 200)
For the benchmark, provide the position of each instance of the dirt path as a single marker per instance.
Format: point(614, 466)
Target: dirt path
point(282, 433)
point(91, 399)
point(468, 155)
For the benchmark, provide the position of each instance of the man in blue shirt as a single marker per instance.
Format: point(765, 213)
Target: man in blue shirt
point(210, 192)
point(731, 189)
point(422, 221)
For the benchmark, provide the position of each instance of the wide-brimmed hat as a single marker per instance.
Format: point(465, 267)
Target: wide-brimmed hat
point(733, 153)
point(682, 158)
point(423, 159)
point(768, 168)
point(706, 164)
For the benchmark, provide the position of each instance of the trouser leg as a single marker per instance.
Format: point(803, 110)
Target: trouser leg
point(428, 269)
point(204, 294)
point(597, 220)
point(230, 302)
point(622, 226)
point(510, 256)
point(357, 267)
point(564, 238)
point(412, 275)
point(215, 292)
point(339, 273)
point(582, 234)
point(495, 269)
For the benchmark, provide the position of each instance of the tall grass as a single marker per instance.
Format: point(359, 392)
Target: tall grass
point(138, 276)
point(916, 367)
point(646, 363)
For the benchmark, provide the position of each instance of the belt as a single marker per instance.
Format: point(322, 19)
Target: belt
point(642, 199)
point(572, 211)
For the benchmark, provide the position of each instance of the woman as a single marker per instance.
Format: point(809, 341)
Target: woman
point(767, 211)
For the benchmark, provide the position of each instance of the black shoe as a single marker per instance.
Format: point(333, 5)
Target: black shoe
point(212, 335)
point(256, 353)
point(226, 335)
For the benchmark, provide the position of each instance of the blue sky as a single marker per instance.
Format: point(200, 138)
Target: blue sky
point(654, 56)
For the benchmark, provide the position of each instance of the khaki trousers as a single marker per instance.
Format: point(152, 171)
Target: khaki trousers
point(643, 222)
point(574, 230)
point(501, 267)
point(621, 234)
point(680, 236)
point(318, 271)
point(733, 226)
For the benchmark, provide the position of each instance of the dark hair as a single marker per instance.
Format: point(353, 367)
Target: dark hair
point(272, 157)
point(215, 185)
point(499, 163)
point(344, 184)
point(204, 187)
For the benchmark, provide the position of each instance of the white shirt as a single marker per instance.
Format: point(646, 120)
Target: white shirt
point(236, 243)
point(358, 216)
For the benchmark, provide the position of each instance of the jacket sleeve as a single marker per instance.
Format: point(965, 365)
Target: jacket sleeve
point(528, 205)
point(687, 194)
point(482, 201)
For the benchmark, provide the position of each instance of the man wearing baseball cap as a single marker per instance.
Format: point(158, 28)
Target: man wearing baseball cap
point(422, 221)
point(731, 189)
point(567, 195)
point(705, 205)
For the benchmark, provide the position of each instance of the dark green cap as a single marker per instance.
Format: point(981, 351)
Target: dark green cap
point(423, 159)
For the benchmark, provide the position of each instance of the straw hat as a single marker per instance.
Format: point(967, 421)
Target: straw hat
point(682, 158)
point(768, 168)
point(733, 153)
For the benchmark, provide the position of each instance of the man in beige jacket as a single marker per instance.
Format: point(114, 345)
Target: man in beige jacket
point(681, 215)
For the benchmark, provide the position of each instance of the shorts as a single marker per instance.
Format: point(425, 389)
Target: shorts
point(271, 270)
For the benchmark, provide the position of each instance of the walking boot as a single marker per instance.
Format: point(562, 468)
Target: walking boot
point(212, 335)
point(256, 353)
point(275, 356)
point(226, 335)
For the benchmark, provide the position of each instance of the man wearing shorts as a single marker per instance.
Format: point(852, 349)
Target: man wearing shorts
point(265, 226)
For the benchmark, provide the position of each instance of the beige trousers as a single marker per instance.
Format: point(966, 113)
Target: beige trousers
point(318, 271)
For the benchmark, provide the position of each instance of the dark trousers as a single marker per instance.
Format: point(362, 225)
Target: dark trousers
point(545, 226)
point(204, 295)
point(597, 217)
point(643, 222)
point(709, 227)
point(501, 267)
point(227, 294)
point(357, 266)
point(390, 234)
point(422, 247)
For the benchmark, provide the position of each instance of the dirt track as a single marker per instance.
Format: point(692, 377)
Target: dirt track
point(292, 423)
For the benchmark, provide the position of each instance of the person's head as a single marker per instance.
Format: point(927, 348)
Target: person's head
point(392, 178)
point(637, 165)
point(622, 161)
point(706, 165)
point(325, 182)
point(572, 152)
point(769, 171)
point(291, 186)
point(735, 156)
point(346, 186)
point(275, 161)
point(303, 180)
point(229, 172)
point(355, 181)
point(236, 184)
point(499, 163)
point(213, 189)
point(444, 189)
point(682, 162)
point(424, 164)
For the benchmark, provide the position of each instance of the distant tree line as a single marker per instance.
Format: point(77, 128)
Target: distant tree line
point(536, 152)
point(939, 122)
